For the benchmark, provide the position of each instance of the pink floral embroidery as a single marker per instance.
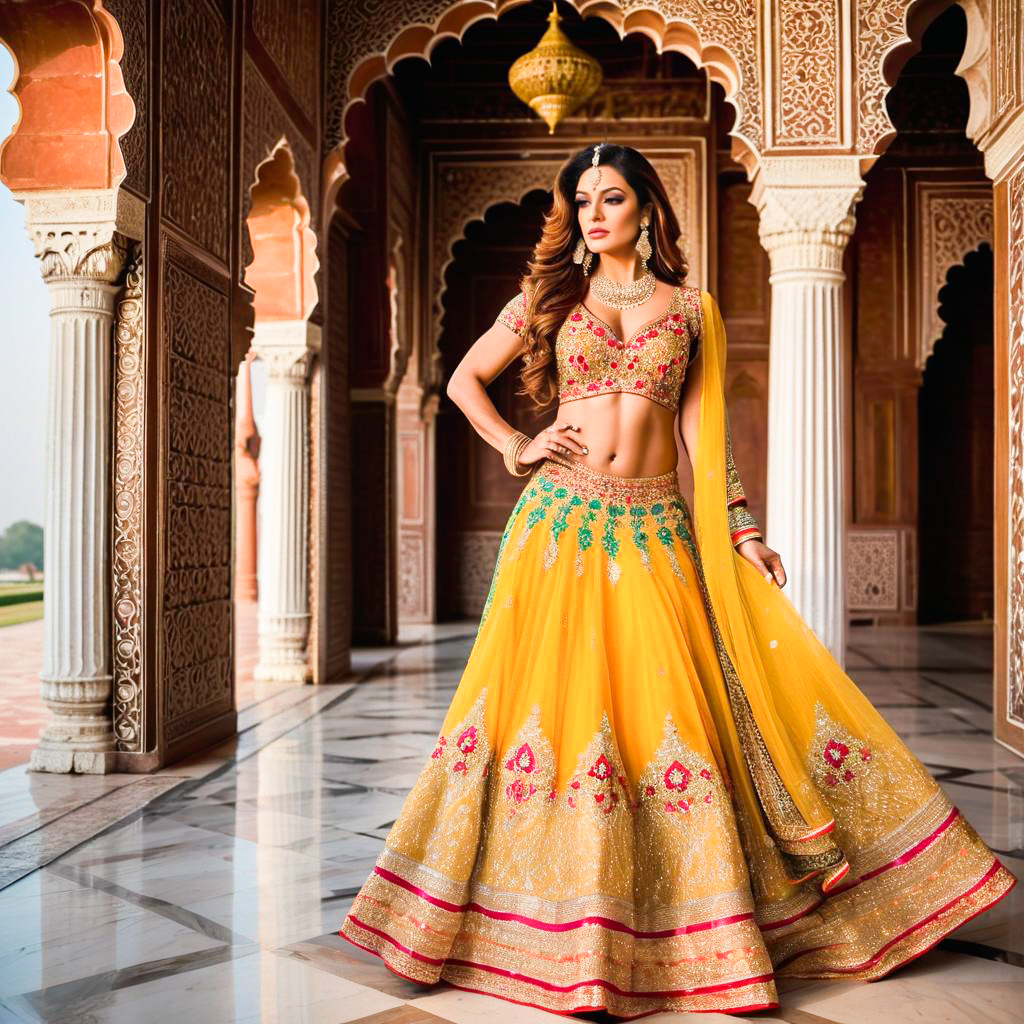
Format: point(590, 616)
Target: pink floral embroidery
point(520, 791)
point(576, 316)
point(865, 754)
point(460, 766)
point(439, 749)
point(835, 752)
point(523, 760)
point(601, 769)
point(677, 776)
point(705, 774)
point(467, 741)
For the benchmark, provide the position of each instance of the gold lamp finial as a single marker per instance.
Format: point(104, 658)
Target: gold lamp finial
point(556, 76)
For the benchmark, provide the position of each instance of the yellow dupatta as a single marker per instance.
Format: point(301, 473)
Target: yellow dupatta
point(764, 648)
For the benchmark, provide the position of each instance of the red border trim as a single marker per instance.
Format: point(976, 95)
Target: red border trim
point(752, 1008)
point(606, 922)
point(721, 986)
point(996, 865)
point(903, 858)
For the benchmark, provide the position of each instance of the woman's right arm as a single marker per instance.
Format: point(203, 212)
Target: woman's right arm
point(488, 356)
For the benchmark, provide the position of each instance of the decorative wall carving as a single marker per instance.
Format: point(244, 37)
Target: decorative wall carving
point(477, 553)
point(288, 31)
point(1015, 488)
point(196, 618)
point(873, 565)
point(194, 121)
point(133, 20)
point(127, 506)
point(881, 28)
point(412, 557)
point(1008, 60)
point(807, 87)
point(660, 103)
point(949, 227)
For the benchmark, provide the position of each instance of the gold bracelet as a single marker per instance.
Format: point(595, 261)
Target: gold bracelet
point(513, 449)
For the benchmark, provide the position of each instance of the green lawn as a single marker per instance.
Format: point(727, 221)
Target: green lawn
point(11, 615)
point(21, 588)
point(15, 611)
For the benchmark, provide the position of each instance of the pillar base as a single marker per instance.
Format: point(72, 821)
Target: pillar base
point(281, 672)
point(67, 762)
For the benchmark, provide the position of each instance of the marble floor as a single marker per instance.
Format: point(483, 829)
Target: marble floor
point(23, 714)
point(217, 896)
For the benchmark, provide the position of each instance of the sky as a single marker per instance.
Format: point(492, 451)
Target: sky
point(24, 345)
point(24, 348)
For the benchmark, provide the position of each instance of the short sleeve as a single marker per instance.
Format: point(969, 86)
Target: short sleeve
point(513, 316)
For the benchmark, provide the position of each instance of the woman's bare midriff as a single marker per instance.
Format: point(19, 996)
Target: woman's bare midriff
point(627, 434)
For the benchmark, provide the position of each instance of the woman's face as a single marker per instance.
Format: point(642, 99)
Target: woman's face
point(609, 213)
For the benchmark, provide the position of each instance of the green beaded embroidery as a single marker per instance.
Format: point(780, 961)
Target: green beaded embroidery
point(668, 518)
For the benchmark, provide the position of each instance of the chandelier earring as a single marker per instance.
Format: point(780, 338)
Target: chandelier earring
point(643, 244)
point(582, 255)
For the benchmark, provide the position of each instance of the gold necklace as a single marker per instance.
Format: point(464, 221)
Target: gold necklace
point(623, 296)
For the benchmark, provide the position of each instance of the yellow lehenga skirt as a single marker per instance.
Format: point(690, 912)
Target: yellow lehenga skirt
point(636, 805)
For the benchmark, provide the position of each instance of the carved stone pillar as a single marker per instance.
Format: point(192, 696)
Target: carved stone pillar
point(73, 235)
point(286, 347)
point(806, 207)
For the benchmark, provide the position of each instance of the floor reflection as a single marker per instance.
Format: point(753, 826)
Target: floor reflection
point(220, 900)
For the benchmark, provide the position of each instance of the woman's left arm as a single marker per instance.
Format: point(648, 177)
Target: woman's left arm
point(743, 527)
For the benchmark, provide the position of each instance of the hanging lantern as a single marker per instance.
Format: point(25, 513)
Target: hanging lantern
point(556, 76)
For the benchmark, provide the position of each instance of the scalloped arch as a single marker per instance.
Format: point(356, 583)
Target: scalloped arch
point(69, 48)
point(722, 58)
point(888, 35)
point(284, 264)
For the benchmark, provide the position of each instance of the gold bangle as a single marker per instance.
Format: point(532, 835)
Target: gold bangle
point(514, 447)
point(514, 452)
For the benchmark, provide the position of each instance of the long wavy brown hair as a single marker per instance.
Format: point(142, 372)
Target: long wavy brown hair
point(554, 284)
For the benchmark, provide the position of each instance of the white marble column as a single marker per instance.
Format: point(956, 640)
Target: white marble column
point(73, 234)
point(806, 206)
point(286, 347)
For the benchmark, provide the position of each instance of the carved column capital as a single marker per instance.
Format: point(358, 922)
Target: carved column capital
point(806, 206)
point(287, 347)
point(73, 233)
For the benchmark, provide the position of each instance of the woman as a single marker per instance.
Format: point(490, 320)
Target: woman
point(654, 789)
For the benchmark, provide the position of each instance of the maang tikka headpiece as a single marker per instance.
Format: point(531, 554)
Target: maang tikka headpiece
point(596, 180)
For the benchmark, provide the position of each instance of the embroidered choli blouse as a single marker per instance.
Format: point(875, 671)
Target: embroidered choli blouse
point(592, 360)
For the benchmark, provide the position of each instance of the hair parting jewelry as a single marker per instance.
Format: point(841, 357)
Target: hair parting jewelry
point(596, 180)
point(513, 449)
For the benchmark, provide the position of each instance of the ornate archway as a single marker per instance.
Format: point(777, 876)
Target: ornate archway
point(721, 38)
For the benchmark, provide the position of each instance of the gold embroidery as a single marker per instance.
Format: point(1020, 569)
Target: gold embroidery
point(564, 878)
point(785, 822)
point(591, 360)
